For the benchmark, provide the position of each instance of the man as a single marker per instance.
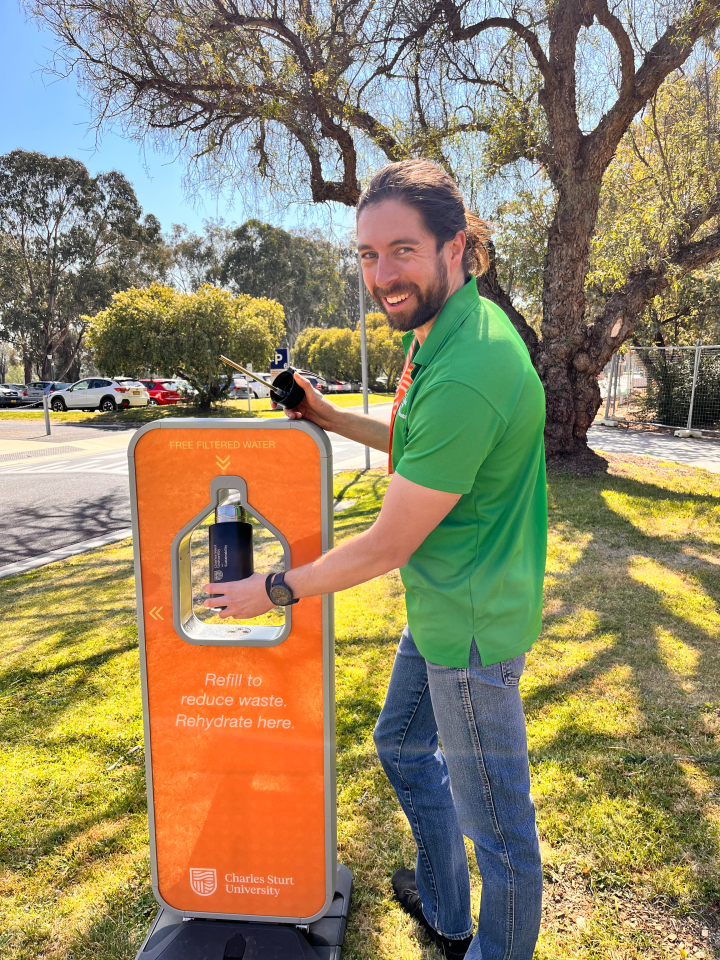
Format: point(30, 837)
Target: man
point(465, 519)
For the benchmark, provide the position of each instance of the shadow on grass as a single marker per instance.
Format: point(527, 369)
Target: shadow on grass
point(70, 672)
point(631, 803)
point(120, 924)
point(621, 727)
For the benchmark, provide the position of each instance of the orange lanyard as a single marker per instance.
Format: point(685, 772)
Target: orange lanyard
point(402, 388)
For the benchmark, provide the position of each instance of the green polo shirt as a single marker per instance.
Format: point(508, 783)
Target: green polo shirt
point(472, 423)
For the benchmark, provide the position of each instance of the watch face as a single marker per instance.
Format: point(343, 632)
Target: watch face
point(280, 595)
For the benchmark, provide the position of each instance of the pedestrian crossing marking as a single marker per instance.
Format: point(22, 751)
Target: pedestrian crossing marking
point(114, 463)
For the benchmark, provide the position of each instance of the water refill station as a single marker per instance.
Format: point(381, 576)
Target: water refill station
point(238, 715)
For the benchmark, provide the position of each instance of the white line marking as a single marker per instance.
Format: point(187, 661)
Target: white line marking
point(110, 463)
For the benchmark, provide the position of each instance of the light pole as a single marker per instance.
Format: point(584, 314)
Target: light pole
point(363, 352)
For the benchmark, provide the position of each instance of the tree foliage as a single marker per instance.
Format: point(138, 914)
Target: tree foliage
point(159, 331)
point(315, 279)
point(67, 241)
point(684, 314)
point(302, 272)
point(306, 98)
point(197, 258)
point(660, 193)
point(662, 188)
point(335, 352)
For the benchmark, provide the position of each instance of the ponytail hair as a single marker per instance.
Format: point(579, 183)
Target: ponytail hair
point(476, 258)
point(435, 195)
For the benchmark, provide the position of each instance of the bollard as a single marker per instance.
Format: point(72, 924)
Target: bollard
point(46, 411)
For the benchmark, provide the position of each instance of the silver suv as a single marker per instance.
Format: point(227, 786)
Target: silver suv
point(35, 391)
point(11, 394)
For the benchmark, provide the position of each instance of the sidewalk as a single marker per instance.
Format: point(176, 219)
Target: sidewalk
point(65, 440)
point(704, 453)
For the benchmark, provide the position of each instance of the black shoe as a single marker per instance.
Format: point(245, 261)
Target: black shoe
point(406, 894)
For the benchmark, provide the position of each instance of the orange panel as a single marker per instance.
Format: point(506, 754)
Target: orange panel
point(238, 784)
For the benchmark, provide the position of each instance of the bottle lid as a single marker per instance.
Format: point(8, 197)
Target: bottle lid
point(229, 513)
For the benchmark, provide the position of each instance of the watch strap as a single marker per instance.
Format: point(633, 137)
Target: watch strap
point(268, 582)
point(278, 579)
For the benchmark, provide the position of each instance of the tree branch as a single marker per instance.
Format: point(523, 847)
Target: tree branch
point(458, 32)
point(617, 321)
point(378, 132)
point(666, 55)
point(346, 192)
point(627, 55)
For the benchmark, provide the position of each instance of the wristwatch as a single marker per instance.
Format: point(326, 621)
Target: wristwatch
point(279, 592)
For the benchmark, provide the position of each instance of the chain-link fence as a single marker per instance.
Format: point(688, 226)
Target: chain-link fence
point(677, 387)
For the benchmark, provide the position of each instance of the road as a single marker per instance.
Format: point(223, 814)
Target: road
point(50, 502)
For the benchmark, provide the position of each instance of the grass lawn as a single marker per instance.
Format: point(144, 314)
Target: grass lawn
point(622, 695)
point(231, 408)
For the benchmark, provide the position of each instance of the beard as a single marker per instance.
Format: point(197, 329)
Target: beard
point(429, 301)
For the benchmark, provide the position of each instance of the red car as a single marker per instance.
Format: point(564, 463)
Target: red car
point(161, 392)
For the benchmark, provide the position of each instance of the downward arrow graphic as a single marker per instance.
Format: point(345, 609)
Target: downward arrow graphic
point(223, 464)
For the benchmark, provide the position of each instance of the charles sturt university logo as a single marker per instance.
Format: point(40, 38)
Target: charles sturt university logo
point(203, 880)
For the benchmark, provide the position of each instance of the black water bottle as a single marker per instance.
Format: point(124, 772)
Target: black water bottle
point(231, 544)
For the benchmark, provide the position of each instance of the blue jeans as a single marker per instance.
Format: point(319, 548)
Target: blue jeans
point(478, 785)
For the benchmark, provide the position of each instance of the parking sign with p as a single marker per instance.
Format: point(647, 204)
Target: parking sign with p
point(280, 360)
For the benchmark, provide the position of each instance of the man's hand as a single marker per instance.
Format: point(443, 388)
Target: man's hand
point(354, 426)
point(315, 407)
point(242, 599)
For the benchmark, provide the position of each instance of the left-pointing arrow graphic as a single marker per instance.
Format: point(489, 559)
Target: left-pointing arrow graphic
point(155, 613)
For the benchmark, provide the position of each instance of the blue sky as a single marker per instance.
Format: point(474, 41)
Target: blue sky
point(39, 112)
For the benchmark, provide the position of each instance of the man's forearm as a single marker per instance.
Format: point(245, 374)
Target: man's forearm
point(353, 562)
point(363, 429)
point(409, 513)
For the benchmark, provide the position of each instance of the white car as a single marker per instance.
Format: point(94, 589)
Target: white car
point(243, 386)
point(99, 393)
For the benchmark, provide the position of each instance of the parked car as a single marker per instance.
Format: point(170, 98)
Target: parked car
point(98, 393)
point(320, 383)
point(11, 394)
point(185, 389)
point(338, 386)
point(34, 392)
point(162, 392)
point(242, 387)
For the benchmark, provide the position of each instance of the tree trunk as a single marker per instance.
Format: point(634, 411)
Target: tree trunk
point(27, 367)
point(562, 359)
point(73, 356)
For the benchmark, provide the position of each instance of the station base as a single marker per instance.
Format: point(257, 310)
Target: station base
point(173, 938)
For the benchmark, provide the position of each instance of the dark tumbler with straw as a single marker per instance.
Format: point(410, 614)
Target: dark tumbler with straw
point(284, 391)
